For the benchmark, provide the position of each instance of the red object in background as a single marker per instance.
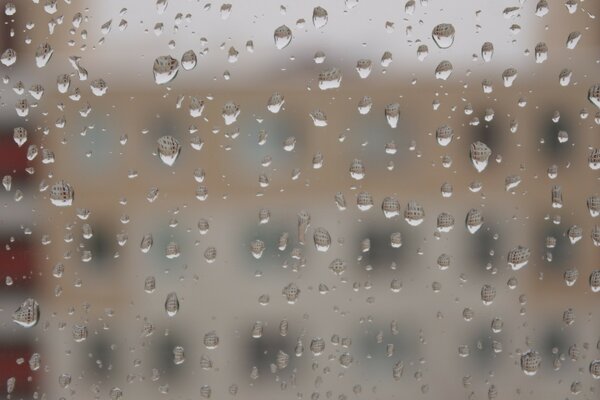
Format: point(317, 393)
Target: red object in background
point(13, 159)
point(16, 263)
point(9, 367)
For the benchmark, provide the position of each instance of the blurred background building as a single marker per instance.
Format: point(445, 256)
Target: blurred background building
point(110, 158)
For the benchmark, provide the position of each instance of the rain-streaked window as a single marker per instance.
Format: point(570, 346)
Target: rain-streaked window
point(346, 199)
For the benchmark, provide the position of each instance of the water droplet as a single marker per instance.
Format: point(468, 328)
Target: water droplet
point(479, 154)
point(168, 149)
point(282, 36)
point(443, 35)
point(414, 214)
point(530, 362)
point(319, 17)
point(230, 112)
point(172, 304)
point(330, 78)
point(211, 340)
point(518, 257)
point(487, 51)
point(165, 69)
point(392, 114)
point(62, 194)
point(43, 53)
point(322, 239)
point(443, 70)
point(27, 314)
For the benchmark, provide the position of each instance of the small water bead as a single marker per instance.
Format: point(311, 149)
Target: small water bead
point(508, 76)
point(205, 391)
point(518, 257)
point(497, 325)
point(282, 360)
point(64, 380)
point(511, 182)
point(196, 108)
point(283, 327)
point(79, 332)
point(569, 316)
point(322, 239)
point(488, 294)
point(264, 299)
point(487, 51)
point(364, 67)
point(594, 159)
point(165, 69)
point(468, 314)
point(150, 284)
point(337, 266)
point(210, 254)
point(541, 52)
point(541, 8)
point(257, 330)
point(330, 79)
point(317, 346)
point(283, 241)
point(479, 155)
point(573, 39)
point(556, 193)
point(257, 247)
point(445, 222)
point(574, 233)
point(319, 118)
point(225, 11)
point(443, 70)
point(530, 362)
point(230, 112)
point(319, 57)
point(289, 143)
point(594, 280)
point(392, 114)
point(386, 59)
point(364, 201)
point(98, 87)
point(36, 91)
point(319, 17)
point(357, 169)
point(594, 95)
point(205, 363)
point(595, 235)
point(443, 35)
point(172, 250)
point(189, 60)
point(414, 213)
point(464, 350)
point(62, 194)
point(27, 314)
point(443, 261)
point(211, 340)
point(115, 393)
point(317, 161)
point(346, 360)
point(422, 52)
point(168, 149)
point(172, 304)
point(20, 135)
point(595, 369)
point(282, 37)
point(291, 293)
point(444, 135)
point(390, 207)
point(178, 355)
point(35, 361)
point(275, 102)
